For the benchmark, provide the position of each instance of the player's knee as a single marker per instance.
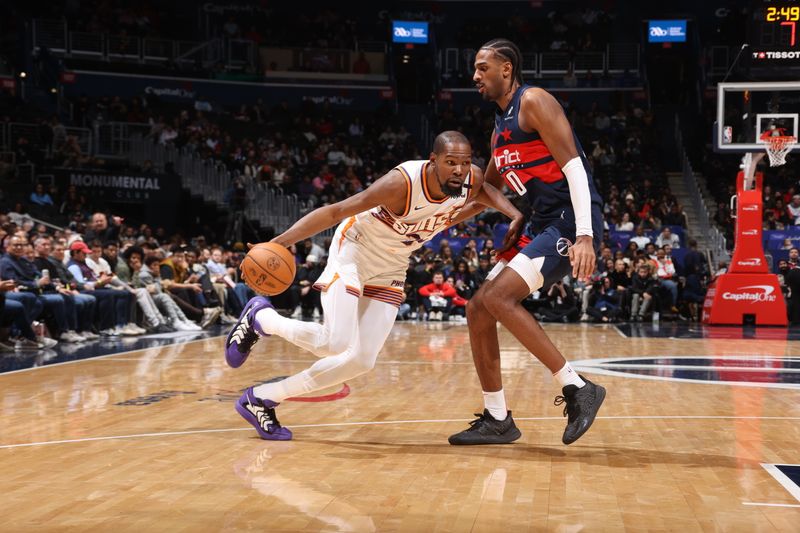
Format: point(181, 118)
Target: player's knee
point(475, 307)
point(332, 343)
point(530, 270)
point(360, 363)
point(337, 345)
point(499, 304)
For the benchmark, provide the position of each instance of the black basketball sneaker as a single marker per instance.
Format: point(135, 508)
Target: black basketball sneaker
point(581, 406)
point(487, 430)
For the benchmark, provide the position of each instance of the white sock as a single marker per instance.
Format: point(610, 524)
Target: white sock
point(495, 403)
point(567, 376)
point(267, 320)
point(292, 386)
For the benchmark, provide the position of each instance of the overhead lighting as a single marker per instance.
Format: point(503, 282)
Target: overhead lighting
point(53, 90)
point(23, 74)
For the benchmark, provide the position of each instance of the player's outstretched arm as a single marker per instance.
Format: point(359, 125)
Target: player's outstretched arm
point(490, 196)
point(542, 112)
point(390, 191)
point(474, 207)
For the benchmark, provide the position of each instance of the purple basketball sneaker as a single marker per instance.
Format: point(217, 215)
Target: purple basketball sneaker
point(261, 414)
point(244, 334)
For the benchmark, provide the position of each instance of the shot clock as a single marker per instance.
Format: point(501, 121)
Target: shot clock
point(774, 33)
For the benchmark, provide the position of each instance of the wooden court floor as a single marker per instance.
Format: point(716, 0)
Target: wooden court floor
point(149, 441)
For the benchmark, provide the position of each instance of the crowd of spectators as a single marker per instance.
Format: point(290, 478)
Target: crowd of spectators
point(110, 280)
point(323, 155)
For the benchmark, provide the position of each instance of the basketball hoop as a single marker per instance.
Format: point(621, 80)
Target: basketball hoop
point(778, 147)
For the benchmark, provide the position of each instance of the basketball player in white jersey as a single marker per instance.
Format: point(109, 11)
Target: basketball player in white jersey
point(362, 286)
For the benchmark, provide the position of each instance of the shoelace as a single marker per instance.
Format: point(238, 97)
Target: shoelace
point(249, 339)
point(569, 406)
point(475, 424)
point(269, 413)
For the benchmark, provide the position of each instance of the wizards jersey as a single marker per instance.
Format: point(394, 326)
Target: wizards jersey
point(528, 167)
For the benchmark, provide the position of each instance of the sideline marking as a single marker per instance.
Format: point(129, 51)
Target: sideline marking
point(387, 422)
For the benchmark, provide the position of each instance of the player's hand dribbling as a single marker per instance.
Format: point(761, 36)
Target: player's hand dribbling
point(582, 258)
point(512, 234)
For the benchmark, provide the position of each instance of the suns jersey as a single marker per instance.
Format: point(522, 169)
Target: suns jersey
point(528, 167)
point(422, 218)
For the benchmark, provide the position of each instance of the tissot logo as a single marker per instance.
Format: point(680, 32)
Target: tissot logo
point(750, 232)
point(752, 293)
point(752, 262)
point(750, 207)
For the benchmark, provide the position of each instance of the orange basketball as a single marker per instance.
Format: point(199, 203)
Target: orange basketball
point(268, 268)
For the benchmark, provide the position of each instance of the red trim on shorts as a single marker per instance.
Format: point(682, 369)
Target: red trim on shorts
point(387, 295)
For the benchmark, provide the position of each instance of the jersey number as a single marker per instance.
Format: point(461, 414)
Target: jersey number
point(516, 183)
point(416, 239)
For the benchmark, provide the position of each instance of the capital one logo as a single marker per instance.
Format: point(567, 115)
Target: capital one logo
point(751, 262)
point(507, 158)
point(752, 294)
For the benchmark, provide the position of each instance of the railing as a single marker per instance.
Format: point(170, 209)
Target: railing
point(212, 181)
point(56, 37)
point(84, 138)
point(719, 60)
point(625, 57)
point(426, 132)
point(4, 142)
point(241, 52)
point(11, 132)
point(112, 139)
point(622, 57)
point(50, 34)
point(718, 246)
point(554, 63)
point(372, 46)
point(205, 53)
point(616, 59)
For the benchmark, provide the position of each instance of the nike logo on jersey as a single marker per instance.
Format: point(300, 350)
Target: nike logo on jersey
point(420, 207)
point(510, 109)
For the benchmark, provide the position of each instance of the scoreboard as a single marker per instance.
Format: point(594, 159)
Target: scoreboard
point(774, 34)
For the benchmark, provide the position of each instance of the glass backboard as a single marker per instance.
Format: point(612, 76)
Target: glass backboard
point(748, 113)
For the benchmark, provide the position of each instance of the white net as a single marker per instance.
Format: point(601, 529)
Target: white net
point(778, 147)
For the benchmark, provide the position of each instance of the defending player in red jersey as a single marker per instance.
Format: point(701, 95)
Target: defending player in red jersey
point(536, 153)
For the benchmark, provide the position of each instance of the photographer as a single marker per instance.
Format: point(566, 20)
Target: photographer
point(561, 305)
point(605, 302)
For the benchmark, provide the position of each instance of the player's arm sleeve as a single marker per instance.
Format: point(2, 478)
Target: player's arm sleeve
point(579, 194)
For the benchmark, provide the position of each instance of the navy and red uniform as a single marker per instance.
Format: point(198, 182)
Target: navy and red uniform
point(528, 167)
